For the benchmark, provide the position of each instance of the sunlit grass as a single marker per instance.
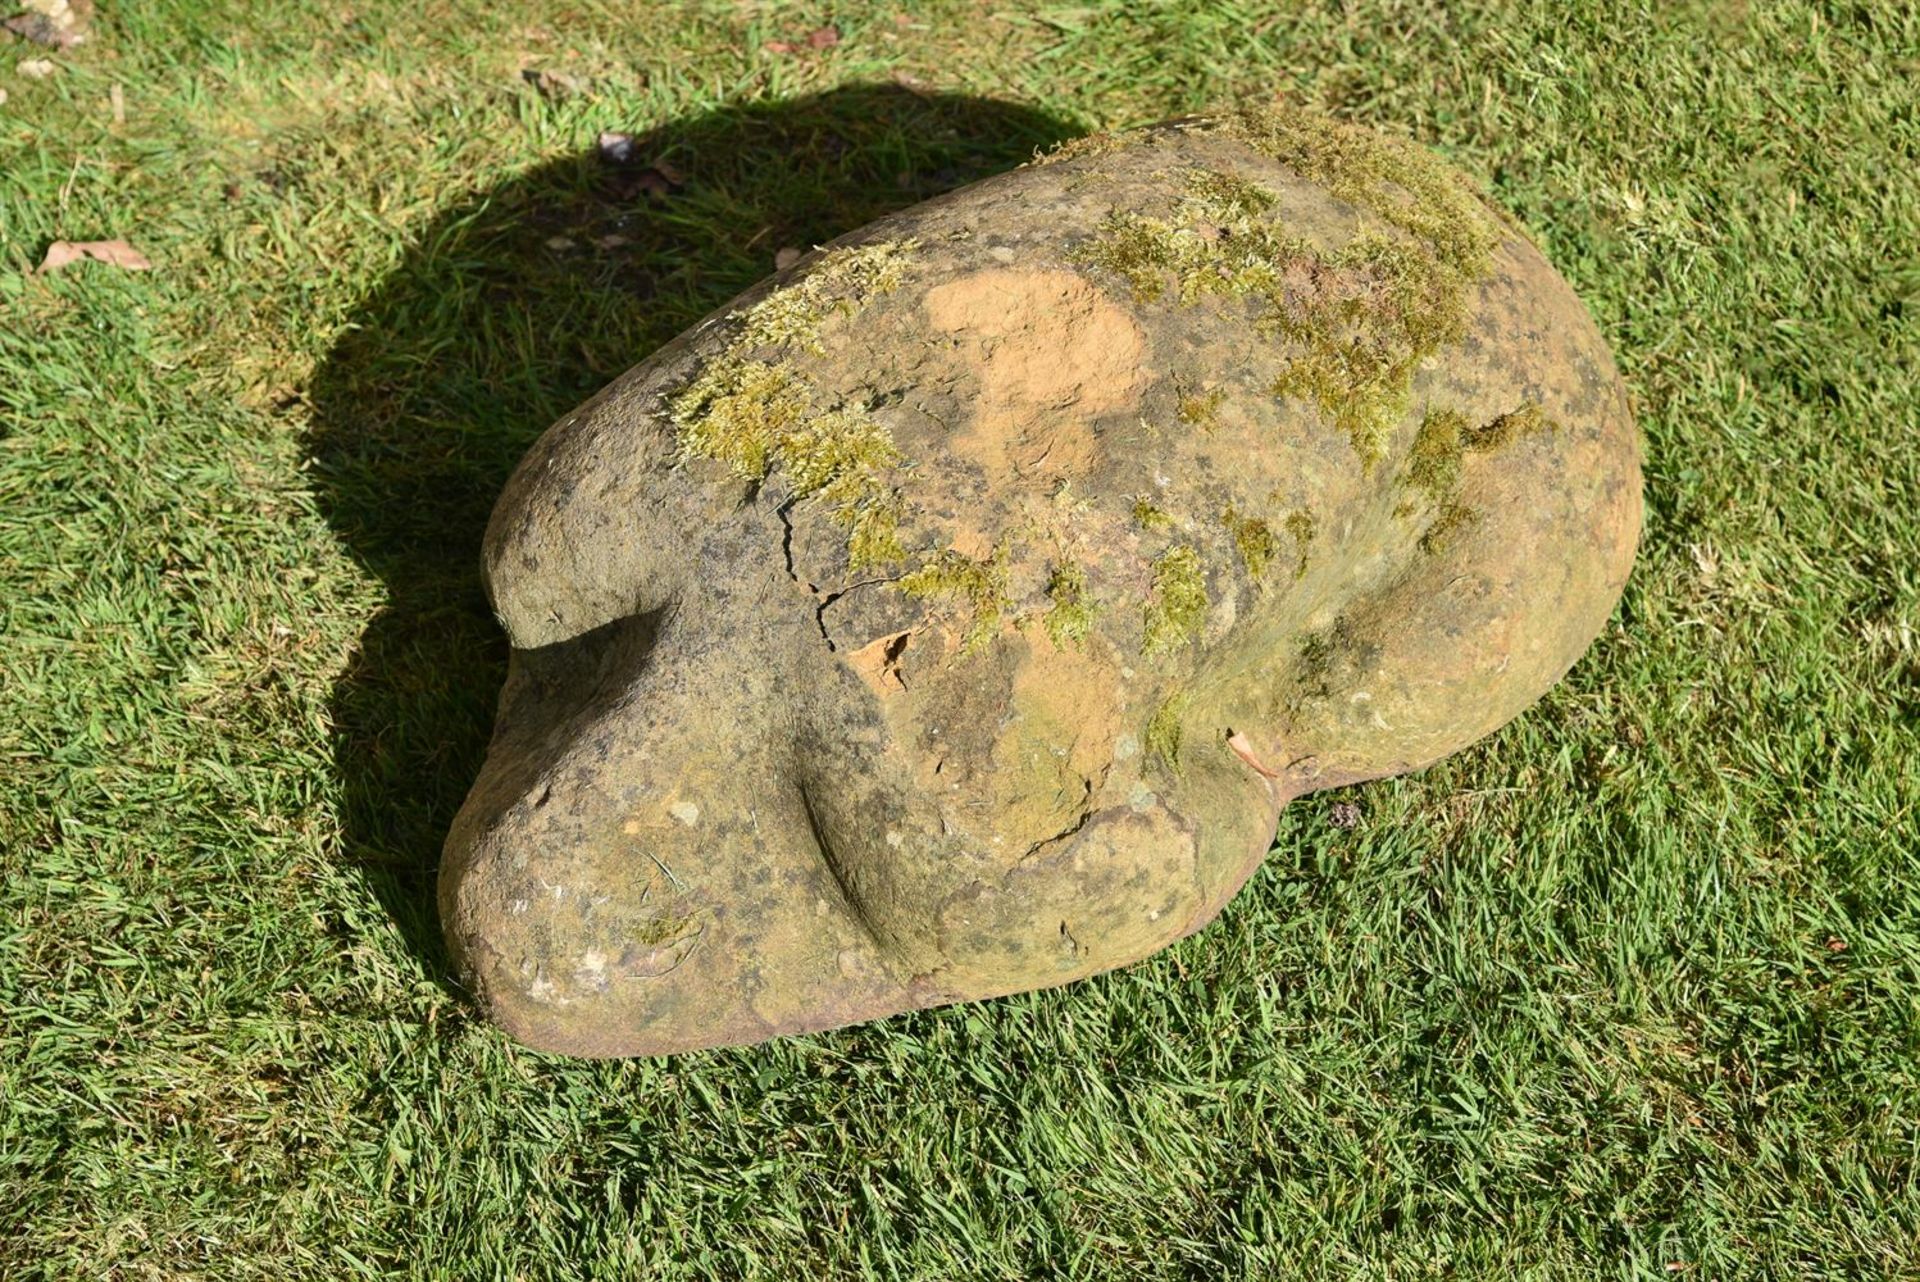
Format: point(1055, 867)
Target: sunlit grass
point(1629, 990)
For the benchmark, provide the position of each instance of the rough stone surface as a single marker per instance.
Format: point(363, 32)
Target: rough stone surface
point(952, 614)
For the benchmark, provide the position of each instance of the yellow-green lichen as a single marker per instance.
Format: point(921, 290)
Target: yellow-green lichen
point(1149, 517)
point(1163, 735)
point(977, 587)
point(1255, 539)
point(752, 410)
point(1178, 607)
point(1070, 617)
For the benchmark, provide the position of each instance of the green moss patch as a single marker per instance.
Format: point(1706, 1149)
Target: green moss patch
point(754, 412)
point(1357, 321)
point(1071, 615)
point(1201, 409)
point(1149, 517)
point(1255, 539)
point(1164, 732)
point(1439, 448)
point(977, 587)
point(1398, 181)
point(1300, 526)
point(1178, 607)
point(1446, 527)
point(1433, 466)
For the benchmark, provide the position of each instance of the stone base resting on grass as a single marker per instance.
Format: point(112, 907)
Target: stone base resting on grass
point(952, 614)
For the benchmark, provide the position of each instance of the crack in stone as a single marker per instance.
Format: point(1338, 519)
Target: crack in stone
point(826, 599)
point(1070, 831)
point(785, 513)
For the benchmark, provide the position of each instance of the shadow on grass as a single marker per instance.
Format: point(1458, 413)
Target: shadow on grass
point(510, 309)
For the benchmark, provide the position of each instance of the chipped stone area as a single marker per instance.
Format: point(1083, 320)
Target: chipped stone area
point(1047, 353)
point(952, 615)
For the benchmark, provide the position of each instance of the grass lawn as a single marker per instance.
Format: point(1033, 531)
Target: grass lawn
point(1631, 989)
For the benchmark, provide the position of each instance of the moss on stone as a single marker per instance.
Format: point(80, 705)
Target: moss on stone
point(873, 531)
point(1071, 615)
point(1446, 526)
point(839, 283)
point(1440, 447)
point(1201, 409)
point(1178, 607)
point(978, 587)
point(1358, 320)
point(1218, 242)
point(1433, 465)
point(1255, 539)
point(1229, 194)
point(736, 412)
point(1399, 181)
point(1301, 527)
point(1149, 517)
point(750, 409)
point(1362, 320)
point(1498, 433)
point(1141, 251)
point(1164, 731)
point(663, 930)
point(1094, 144)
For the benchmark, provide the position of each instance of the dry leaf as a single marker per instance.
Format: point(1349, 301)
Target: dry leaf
point(34, 68)
point(818, 38)
point(654, 183)
point(617, 148)
point(62, 254)
point(553, 85)
point(59, 23)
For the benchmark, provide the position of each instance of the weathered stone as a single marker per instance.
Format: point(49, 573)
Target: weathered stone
point(952, 614)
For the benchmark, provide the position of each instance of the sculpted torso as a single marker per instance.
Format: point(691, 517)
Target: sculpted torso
point(952, 615)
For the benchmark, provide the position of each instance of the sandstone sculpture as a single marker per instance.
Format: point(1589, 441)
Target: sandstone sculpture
point(952, 614)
